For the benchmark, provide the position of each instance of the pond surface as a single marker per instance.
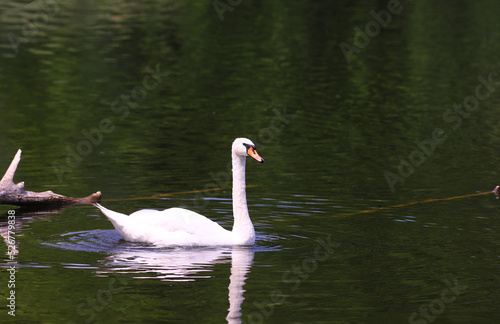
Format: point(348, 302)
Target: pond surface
point(368, 117)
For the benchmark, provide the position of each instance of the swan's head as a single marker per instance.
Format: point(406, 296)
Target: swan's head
point(245, 147)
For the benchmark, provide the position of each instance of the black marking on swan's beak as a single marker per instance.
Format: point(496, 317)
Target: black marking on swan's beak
point(251, 151)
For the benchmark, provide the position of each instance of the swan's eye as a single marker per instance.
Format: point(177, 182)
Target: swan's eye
point(249, 146)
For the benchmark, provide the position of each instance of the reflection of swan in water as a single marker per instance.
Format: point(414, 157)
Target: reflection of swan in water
point(186, 265)
point(241, 262)
point(166, 265)
point(140, 261)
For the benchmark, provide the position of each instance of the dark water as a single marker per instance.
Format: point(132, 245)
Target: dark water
point(352, 109)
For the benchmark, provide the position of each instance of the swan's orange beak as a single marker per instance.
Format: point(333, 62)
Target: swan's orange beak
point(253, 153)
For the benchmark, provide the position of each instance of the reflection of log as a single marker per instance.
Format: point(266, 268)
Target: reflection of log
point(14, 194)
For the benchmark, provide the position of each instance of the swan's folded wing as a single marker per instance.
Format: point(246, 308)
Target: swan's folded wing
point(176, 219)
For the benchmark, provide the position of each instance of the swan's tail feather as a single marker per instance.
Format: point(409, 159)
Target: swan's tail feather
point(119, 220)
point(112, 215)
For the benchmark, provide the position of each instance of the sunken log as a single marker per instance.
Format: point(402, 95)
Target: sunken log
point(14, 194)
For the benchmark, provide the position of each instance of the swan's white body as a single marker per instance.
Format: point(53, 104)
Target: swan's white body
point(177, 226)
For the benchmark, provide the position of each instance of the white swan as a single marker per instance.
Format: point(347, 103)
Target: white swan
point(177, 226)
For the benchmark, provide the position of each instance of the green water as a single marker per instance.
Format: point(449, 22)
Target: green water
point(138, 99)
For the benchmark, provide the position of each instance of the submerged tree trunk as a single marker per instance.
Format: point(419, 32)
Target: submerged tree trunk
point(14, 194)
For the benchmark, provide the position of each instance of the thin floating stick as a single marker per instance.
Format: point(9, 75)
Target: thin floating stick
point(173, 194)
point(366, 211)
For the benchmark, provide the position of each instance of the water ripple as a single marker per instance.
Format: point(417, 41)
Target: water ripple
point(146, 261)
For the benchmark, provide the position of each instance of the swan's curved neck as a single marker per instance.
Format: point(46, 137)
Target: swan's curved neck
point(243, 227)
